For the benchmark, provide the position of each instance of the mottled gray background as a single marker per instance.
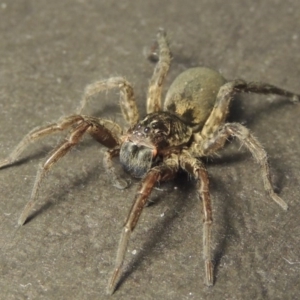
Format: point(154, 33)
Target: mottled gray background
point(49, 51)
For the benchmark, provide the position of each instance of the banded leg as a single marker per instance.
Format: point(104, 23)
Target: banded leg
point(197, 169)
point(217, 141)
point(226, 93)
point(90, 125)
point(160, 72)
point(164, 172)
point(127, 100)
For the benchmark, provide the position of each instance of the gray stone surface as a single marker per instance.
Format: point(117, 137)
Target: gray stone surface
point(49, 51)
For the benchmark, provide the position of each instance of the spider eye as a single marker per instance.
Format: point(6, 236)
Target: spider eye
point(154, 125)
point(147, 129)
point(159, 126)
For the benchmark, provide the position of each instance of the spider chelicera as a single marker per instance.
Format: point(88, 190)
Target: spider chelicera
point(191, 126)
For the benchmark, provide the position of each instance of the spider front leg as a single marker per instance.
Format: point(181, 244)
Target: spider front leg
point(160, 72)
point(127, 100)
point(163, 172)
point(44, 168)
point(38, 133)
point(197, 169)
point(95, 127)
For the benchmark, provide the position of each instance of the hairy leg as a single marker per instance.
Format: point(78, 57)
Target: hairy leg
point(164, 172)
point(127, 100)
point(112, 129)
point(197, 169)
point(226, 93)
point(38, 133)
point(110, 169)
point(160, 72)
point(58, 153)
point(95, 127)
point(217, 141)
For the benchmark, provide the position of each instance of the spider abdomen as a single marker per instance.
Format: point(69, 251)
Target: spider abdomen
point(193, 93)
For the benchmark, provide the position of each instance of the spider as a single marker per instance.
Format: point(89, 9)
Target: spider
point(191, 126)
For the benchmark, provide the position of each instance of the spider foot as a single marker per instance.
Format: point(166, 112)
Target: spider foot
point(209, 279)
point(26, 211)
point(279, 201)
point(120, 184)
point(113, 281)
point(22, 220)
point(296, 98)
point(5, 162)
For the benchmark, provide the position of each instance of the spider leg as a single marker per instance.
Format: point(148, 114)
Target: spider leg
point(160, 72)
point(38, 133)
point(163, 172)
point(226, 93)
point(127, 101)
point(95, 127)
point(217, 141)
point(63, 124)
point(196, 168)
point(110, 169)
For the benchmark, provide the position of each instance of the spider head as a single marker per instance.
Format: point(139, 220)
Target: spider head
point(153, 131)
point(150, 139)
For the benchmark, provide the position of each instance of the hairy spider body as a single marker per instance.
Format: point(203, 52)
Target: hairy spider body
point(192, 125)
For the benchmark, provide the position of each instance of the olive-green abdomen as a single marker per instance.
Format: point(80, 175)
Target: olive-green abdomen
point(193, 93)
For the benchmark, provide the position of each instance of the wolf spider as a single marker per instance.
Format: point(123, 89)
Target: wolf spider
point(190, 127)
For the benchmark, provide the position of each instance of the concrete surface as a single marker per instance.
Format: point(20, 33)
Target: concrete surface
point(49, 51)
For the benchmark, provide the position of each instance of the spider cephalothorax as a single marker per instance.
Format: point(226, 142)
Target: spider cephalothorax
point(155, 148)
point(147, 142)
